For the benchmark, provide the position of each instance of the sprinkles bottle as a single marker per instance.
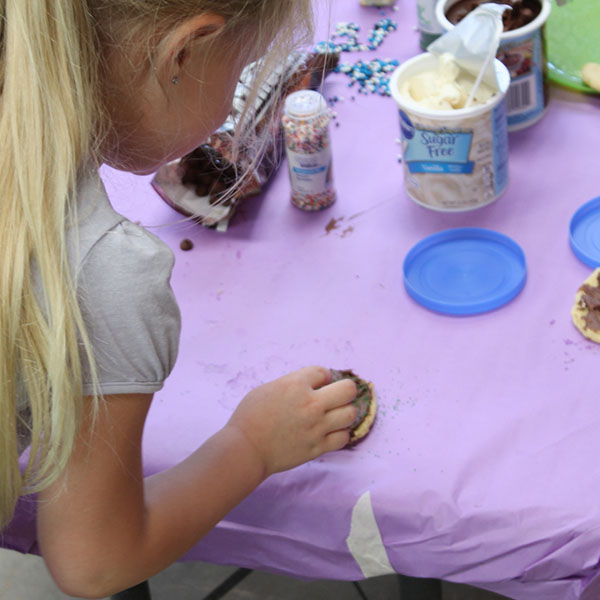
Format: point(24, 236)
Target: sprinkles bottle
point(307, 143)
point(429, 26)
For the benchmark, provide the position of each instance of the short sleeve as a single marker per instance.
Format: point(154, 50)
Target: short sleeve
point(130, 311)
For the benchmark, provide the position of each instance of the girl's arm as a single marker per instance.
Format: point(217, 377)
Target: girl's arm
point(103, 527)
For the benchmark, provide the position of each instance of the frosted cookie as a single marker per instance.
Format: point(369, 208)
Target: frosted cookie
point(590, 73)
point(586, 310)
point(365, 403)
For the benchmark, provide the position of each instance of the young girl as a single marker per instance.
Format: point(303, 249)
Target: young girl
point(88, 323)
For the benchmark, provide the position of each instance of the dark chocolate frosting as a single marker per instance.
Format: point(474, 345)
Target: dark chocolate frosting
point(591, 300)
point(363, 394)
point(522, 13)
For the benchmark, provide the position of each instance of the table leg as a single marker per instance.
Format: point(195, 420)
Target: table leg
point(137, 592)
point(359, 590)
point(228, 584)
point(415, 588)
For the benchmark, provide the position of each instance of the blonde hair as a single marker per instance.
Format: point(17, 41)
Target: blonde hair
point(53, 125)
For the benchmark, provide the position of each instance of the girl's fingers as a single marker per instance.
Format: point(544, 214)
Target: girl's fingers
point(338, 393)
point(316, 376)
point(339, 418)
point(336, 440)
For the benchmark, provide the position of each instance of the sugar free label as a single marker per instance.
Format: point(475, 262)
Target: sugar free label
point(437, 150)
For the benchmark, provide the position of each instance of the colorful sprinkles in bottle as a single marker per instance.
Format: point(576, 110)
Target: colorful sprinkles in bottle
point(307, 143)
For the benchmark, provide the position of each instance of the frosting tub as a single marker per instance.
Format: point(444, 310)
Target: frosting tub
point(453, 159)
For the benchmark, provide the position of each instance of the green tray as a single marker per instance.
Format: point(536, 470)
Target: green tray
point(572, 34)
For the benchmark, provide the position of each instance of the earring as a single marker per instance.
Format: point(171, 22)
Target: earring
point(175, 80)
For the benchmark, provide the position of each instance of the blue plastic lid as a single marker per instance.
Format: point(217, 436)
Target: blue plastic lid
point(465, 271)
point(584, 233)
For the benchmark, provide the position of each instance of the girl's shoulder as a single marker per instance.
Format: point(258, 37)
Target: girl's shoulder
point(106, 247)
point(123, 278)
point(103, 232)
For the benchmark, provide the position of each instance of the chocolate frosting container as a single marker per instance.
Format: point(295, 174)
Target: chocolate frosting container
point(522, 51)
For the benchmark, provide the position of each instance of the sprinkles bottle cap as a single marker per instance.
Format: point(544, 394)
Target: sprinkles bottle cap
point(304, 104)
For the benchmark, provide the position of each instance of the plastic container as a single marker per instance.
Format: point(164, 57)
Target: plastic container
point(522, 52)
point(584, 233)
point(429, 27)
point(465, 271)
point(308, 149)
point(453, 160)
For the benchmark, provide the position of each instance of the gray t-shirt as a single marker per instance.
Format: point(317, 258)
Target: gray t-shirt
point(123, 283)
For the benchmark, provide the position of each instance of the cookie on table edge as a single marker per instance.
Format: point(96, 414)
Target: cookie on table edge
point(586, 310)
point(365, 402)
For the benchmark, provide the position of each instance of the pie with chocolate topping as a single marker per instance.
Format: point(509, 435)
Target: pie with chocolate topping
point(586, 310)
point(365, 403)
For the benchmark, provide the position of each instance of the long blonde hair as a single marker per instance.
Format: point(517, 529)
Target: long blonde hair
point(52, 123)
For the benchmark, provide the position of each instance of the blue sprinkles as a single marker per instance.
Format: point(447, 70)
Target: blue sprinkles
point(372, 77)
point(349, 30)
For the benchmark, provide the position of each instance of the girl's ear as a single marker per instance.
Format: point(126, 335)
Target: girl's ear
point(175, 49)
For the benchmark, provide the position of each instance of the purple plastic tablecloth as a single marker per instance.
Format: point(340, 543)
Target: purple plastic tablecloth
point(484, 462)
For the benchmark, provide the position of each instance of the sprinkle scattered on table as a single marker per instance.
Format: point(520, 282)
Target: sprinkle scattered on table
point(349, 30)
point(372, 77)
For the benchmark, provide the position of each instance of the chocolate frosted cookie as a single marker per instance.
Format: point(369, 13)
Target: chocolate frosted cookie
point(365, 403)
point(586, 310)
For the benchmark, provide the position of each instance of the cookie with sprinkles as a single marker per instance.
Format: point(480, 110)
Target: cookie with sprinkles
point(586, 309)
point(365, 403)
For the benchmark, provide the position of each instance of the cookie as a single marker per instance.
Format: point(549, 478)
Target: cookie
point(365, 402)
point(590, 73)
point(586, 310)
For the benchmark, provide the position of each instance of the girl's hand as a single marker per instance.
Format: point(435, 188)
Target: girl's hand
point(296, 418)
point(103, 527)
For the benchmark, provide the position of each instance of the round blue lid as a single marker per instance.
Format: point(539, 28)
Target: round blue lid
point(465, 271)
point(584, 233)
